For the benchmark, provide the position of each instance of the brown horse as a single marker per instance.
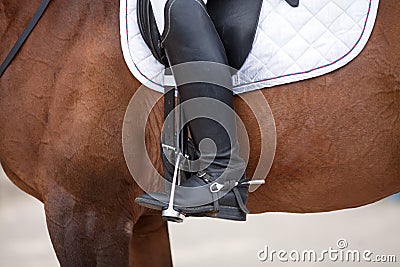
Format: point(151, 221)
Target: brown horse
point(62, 103)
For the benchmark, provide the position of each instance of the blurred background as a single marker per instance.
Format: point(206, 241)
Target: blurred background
point(24, 241)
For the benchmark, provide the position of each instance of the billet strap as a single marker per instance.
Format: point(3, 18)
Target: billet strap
point(22, 38)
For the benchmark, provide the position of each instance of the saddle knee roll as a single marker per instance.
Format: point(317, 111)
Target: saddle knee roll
point(158, 10)
point(190, 34)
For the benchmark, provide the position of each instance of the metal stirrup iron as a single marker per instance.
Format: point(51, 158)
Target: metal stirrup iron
point(170, 89)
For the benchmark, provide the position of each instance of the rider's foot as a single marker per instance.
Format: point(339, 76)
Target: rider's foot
point(201, 196)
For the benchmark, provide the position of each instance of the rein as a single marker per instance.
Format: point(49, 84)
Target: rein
point(25, 34)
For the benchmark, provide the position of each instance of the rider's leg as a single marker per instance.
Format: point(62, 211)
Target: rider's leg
point(190, 36)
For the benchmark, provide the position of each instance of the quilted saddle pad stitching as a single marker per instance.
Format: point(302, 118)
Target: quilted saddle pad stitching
point(320, 67)
point(128, 43)
point(311, 44)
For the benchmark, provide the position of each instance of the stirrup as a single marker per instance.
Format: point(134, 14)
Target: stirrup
point(176, 143)
point(170, 214)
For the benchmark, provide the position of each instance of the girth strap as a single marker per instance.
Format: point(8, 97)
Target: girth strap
point(22, 38)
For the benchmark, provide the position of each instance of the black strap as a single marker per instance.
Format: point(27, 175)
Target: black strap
point(239, 200)
point(293, 3)
point(148, 28)
point(17, 46)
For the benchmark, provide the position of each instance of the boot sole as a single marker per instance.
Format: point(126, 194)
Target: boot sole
point(224, 212)
point(228, 213)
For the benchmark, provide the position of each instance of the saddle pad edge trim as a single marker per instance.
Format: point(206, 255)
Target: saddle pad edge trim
point(254, 85)
point(138, 74)
point(321, 70)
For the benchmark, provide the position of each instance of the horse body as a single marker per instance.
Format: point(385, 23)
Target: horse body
point(62, 103)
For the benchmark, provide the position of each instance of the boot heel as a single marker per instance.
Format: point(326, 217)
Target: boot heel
point(230, 213)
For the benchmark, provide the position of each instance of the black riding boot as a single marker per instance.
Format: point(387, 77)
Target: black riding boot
point(218, 189)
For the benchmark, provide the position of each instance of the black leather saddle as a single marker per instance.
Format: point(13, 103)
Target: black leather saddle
point(235, 20)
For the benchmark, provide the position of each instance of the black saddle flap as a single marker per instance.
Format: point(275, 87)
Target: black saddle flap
point(148, 29)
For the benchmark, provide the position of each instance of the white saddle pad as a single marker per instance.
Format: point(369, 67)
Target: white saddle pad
point(291, 44)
